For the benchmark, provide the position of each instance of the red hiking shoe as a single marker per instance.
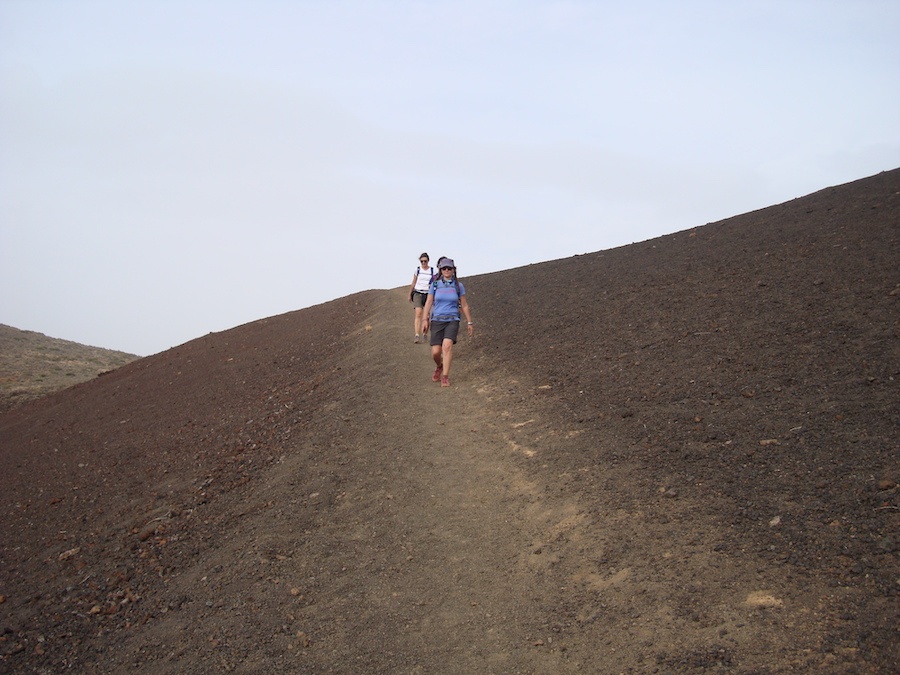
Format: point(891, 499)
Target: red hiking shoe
point(436, 376)
point(445, 381)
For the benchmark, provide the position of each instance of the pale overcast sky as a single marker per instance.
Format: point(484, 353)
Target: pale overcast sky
point(170, 168)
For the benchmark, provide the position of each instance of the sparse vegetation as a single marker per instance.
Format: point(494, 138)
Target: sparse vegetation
point(33, 365)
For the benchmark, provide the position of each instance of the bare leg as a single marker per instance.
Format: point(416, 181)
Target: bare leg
point(418, 321)
point(447, 354)
point(436, 355)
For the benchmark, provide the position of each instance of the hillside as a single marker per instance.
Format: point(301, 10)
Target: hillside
point(33, 365)
point(678, 456)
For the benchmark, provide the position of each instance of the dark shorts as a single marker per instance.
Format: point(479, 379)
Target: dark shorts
point(419, 298)
point(444, 330)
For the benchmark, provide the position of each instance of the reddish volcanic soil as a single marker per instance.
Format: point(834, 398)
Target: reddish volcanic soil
point(678, 456)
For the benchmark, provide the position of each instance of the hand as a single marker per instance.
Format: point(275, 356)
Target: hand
point(471, 330)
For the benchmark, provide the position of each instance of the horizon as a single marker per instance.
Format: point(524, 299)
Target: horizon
point(194, 150)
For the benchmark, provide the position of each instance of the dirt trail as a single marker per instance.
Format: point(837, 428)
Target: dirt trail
point(458, 515)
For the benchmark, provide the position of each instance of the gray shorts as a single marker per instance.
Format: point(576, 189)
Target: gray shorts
point(419, 298)
point(444, 330)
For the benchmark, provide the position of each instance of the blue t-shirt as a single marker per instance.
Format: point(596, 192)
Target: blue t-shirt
point(446, 300)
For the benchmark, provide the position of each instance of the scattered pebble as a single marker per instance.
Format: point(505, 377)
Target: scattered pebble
point(762, 599)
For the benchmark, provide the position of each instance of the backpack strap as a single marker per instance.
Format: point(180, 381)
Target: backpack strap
point(430, 279)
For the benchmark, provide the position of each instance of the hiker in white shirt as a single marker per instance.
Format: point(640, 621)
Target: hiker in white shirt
point(418, 293)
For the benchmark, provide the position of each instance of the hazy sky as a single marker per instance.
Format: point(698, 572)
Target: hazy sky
point(170, 168)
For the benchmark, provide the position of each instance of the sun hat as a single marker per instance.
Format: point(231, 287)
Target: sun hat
point(446, 262)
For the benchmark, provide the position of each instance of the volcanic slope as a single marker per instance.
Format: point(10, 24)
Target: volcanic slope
point(676, 456)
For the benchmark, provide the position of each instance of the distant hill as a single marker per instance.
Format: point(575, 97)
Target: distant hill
point(33, 365)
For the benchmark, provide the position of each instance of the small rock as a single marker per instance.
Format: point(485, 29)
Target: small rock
point(147, 532)
point(65, 555)
point(762, 599)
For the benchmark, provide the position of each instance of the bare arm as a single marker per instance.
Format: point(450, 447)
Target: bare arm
point(464, 306)
point(426, 313)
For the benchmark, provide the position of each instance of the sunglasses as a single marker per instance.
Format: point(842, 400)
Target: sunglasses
point(424, 260)
point(446, 268)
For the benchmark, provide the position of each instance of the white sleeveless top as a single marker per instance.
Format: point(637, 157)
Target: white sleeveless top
point(423, 279)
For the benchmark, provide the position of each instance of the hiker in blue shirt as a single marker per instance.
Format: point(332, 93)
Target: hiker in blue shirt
point(446, 298)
